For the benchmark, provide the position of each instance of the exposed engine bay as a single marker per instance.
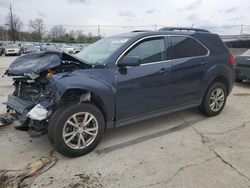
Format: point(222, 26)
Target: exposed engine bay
point(35, 98)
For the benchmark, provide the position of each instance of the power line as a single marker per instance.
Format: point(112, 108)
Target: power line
point(225, 29)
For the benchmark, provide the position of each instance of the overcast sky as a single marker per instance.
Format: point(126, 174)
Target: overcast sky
point(200, 13)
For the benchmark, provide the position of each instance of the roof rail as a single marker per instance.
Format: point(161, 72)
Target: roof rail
point(140, 31)
point(183, 29)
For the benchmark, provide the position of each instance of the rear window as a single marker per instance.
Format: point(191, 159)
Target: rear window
point(182, 47)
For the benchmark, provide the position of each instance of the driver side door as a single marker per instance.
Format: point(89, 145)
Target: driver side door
point(143, 90)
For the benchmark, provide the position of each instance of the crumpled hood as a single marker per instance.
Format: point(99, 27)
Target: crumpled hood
point(35, 63)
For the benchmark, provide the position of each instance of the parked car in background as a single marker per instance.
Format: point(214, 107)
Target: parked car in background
point(28, 48)
point(67, 49)
point(117, 81)
point(12, 49)
point(243, 67)
point(77, 49)
point(40, 46)
point(1, 50)
point(51, 47)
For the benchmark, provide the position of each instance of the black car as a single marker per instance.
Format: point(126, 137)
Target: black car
point(1, 50)
point(117, 81)
point(243, 67)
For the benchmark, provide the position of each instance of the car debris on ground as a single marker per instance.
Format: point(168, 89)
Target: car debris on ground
point(6, 119)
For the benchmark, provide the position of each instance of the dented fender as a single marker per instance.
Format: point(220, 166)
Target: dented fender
point(104, 91)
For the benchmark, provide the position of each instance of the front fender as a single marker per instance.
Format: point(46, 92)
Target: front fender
point(100, 88)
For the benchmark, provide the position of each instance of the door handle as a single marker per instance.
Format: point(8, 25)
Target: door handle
point(203, 63)
point(163, 71)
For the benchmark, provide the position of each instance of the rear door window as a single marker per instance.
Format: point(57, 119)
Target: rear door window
point(182, 47)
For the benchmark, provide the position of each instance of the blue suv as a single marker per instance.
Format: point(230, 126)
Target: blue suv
point(119, 80)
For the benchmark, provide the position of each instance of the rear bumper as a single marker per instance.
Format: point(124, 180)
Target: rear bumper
point(242, 73)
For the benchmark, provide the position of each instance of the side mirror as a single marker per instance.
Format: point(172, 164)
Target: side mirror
point(129, 62)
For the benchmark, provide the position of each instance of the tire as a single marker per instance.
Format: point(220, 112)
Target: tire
point(90, 134)
point(238, 80)
point(207, 107)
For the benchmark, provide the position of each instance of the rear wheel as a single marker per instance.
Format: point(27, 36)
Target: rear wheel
point(77, 129)
point(214, 100)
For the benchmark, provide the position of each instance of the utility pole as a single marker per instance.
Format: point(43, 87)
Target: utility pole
point(98, 30)
point(155, 27)
point(6, 31)
point(12, 25)
point(241, 29)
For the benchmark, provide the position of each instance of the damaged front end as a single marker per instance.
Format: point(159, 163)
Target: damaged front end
point(35, 97)
point(32, 102)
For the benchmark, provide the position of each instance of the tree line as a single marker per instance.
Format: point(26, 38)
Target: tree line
point(38, 32)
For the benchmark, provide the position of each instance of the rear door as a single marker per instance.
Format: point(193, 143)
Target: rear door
point(188, 58)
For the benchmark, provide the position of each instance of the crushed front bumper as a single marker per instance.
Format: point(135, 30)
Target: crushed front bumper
point(17, 104)
point(27, 109)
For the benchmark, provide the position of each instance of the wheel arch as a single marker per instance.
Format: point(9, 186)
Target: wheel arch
point(217, 73)
point(222, 79)
point(77, 95)
point(218, 78)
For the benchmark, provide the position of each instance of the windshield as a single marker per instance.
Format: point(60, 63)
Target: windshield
point(101, 50)
point(11, 46)
point(247, 53)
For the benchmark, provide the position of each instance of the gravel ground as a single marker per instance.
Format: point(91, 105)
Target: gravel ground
point(183, 149)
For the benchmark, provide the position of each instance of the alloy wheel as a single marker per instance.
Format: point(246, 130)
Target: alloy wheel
point(80, 130)
point(217, 99)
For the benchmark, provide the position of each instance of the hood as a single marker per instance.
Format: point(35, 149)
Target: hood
point(36, 63)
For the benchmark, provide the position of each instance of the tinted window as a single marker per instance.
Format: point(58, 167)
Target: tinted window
point(182, 47)
point(150, 50)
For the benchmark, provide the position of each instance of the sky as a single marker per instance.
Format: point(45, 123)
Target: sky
point(85, 15)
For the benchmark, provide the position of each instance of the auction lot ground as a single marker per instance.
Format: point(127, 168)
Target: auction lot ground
point(183, 149)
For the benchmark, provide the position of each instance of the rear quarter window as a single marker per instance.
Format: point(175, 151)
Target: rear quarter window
point(182, 47)
point(214, 43)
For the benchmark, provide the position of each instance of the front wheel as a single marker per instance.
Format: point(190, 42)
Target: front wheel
point(77, 129)
point(214, 100)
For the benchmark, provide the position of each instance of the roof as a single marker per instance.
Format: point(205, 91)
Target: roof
point(165, 31)
point(149, 33)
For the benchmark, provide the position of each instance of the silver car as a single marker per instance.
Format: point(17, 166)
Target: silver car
point(12, 49)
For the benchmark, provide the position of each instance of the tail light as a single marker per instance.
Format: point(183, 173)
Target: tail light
point(233, 61)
